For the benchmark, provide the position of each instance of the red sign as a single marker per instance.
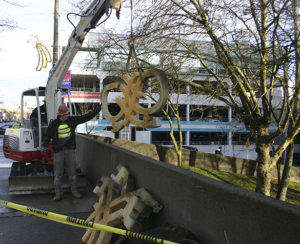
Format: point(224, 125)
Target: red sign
point(82, 94)
point(67, 81)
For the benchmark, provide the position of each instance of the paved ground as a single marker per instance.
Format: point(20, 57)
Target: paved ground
point(17, 227)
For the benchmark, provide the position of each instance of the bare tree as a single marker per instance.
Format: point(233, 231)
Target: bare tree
point(171, 111)
point(254, 43)
point(7, 23)
point(174, 110)
point(83, 109)
point(294, 39)
point(249, 51)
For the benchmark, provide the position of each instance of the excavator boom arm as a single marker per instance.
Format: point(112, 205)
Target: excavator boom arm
point(88, 20)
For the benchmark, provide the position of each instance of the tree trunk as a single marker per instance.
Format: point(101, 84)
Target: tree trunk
point(278, 168)
point(179, 158)
point(285, 179)
point(264, 169)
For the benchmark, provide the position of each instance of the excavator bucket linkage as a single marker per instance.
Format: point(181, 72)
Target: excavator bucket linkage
point(30, 179)
point(19, 185)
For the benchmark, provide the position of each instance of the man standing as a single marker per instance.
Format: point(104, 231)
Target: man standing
point(219, 151)
point(34, 122)
point(34, 115)
point(62, 133)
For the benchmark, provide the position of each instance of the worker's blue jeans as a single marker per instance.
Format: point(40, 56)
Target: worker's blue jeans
point(64, 159)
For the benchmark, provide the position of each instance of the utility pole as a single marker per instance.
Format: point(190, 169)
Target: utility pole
point(55, 32)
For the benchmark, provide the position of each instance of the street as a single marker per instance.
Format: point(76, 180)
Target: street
point(22, 228)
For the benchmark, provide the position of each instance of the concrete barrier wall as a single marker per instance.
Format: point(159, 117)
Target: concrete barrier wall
point(215, 212)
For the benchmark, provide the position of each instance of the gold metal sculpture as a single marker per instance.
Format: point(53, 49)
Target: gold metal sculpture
point(130, 109)
point(44, 56)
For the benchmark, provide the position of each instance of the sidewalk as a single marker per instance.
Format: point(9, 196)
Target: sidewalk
point(22, 228)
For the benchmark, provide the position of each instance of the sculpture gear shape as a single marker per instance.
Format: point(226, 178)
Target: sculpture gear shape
point(130, 109)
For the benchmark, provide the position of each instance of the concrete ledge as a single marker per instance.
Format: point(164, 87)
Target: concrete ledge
point(193, 158)
point(213, 211)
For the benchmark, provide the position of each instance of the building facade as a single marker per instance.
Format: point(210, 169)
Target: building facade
point(207, 124)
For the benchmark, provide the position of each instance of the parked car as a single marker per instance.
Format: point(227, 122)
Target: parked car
point(190, 148)
point(5, 126)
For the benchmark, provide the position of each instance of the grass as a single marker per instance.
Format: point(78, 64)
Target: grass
point(249, 183)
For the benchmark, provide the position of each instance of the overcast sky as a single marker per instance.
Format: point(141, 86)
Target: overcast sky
point(18, 56)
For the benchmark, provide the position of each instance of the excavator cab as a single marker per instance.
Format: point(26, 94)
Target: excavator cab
point(37, 118)
point(23, 144)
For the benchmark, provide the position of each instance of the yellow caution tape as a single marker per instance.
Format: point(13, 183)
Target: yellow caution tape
point(82, 223)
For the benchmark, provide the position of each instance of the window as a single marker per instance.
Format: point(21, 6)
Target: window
point(208, 138)
point(208, 113)
point(239, 138)
point(217, 87)
point(164, 138)
point(296, 159)
point(182, 113)
point(86, 59)
point(297, 139)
